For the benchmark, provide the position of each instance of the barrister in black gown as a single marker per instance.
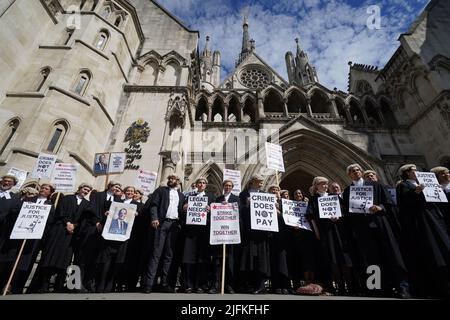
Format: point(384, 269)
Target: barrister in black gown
point(443, 177)
point(197, 251)
point(89, 236)
point(112, 256)
point(279, 242)
point(255, 255)
point(134, 265)
point(427, 243)
point(62, 237)
point(10, 248)
point(374, 237)
point(164, 207)
point(6, 196)
point(335, 247)
point(217, 250)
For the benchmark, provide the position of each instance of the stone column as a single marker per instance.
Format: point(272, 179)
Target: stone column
point(209, 112)
point(260, 107)
point(225, 112)
point(348, 114)
point(334, 110)
point(308, 107)
point(285, 108)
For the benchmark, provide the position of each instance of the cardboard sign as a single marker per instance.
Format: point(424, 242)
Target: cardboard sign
point(64, 177)
point(235, 177)
point(146, 181)
point(44, 166)
point(197, 211)
point(294, 213)
point(329, 207)
point(274, 155)
point(361, 199)
point(433, 192)
point(263, 211)
point(31, 221)
point(117, 162)
point(119, 222)
point(21, 176)
point(224, 224)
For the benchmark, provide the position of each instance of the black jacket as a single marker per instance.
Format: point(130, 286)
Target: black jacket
point(158, 203)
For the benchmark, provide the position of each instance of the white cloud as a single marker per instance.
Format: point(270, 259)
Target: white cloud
point(331, 32)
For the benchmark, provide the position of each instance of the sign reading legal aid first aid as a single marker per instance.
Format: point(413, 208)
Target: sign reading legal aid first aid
point(263, 211)
point(197, 211)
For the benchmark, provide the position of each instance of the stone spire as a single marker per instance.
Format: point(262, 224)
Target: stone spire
point(210, 65)
point(247, 43)
point(299, 69)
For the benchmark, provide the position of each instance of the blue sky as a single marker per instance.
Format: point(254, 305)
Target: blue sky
point(331, 32)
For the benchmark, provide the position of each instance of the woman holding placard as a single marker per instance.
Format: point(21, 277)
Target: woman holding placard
point(325, 213)
point(443, 177)
point(427, 243)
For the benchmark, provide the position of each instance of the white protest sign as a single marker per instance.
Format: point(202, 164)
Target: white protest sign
point(146, 181)
point(64, 177)
point(44, 166)
point(119, 222)
point(361, 199)
point(263, 211)
point(393, 193)
point(197, 211)
point(21, 176)
point(117, 162)
point(433, 192)
point(329, 207)
point(31, 221)
point(235, 177)
point(294, 213)
point(224, 224)
point(274, 156)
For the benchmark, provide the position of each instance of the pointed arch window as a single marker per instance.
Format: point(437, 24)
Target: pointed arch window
point(45, 72)
point(8, 133)
point(57, 136)
point(101, 39)
point(82, 83)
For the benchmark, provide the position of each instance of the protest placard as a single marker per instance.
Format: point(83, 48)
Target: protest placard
point(329, 207)
point(294, 213)
point(146, 181)
point(224, 224)
point(31, 221)
point(64, 177)
point(43, 167)
point(263, 212)
point(197, 211)
point(433, 192)
point(361, 199)
point(274, 156)
point(119, 222)
point(235, 177)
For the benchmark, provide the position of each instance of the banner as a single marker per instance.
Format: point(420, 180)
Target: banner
point(329, 207)
point(361, 199)
point(433, 192)
point(146, 181)
point(263, 211)
point(44, 166)
point(294, 213)
point(117, 162)
point(235, 176)
point(21, 176)
point(197, 211)
point(31, 221)
point(119, 222)
point(64, 177)
point(393, 193)
point(224, 224)
point(274, 156)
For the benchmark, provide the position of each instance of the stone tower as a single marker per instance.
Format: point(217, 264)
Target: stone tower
point(299, 69)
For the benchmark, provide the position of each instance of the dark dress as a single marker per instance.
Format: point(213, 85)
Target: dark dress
point(374, 240)
point(279, 246)
point(335, 246)
point(255, 255)
point(425, 241)
point(10, 248)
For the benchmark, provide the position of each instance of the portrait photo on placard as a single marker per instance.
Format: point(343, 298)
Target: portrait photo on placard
point(101, 162)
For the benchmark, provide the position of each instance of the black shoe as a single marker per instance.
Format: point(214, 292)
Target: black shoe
point(229, 290)
point(213, 291)
point(403, 293)
point(188, 290)
point(147, 290)
point(199, 290)
point(260, 291)
point(277, 291)
point(284, 291)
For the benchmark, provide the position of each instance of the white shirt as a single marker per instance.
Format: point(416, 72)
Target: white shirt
point(359, 183)
point(127, 200)
point(79, 199)
point(41, 200)
point(172, 210)
point(322, 194)
point(109, 196)
point(413, 182)
point(227, 196)
point(5, 194)
point(201, 194)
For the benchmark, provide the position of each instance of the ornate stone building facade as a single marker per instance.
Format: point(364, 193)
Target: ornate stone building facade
point(80, 77)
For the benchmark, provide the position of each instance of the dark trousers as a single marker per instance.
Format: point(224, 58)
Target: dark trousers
point(195, 276)
point(165, 237)
point(217, 273)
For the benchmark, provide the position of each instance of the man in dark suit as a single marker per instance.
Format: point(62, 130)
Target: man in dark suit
point(165, 208)
point(6, 183)
point(101, 166)
point(231, 253)
point(119, 225)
